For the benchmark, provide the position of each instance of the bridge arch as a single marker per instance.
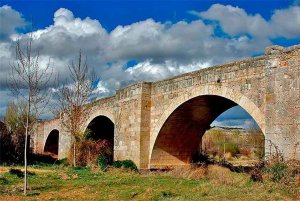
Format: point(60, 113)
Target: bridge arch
point(95, 113)
point(101, 126)
point(217, 94)
point(52, 143)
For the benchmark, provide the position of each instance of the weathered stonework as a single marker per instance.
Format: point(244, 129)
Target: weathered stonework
point(158, 123)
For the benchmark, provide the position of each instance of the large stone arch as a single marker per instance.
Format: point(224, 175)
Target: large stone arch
point(98, 112)
point(213, 90)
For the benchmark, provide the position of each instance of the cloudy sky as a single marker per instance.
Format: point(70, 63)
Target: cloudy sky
point(129, 41)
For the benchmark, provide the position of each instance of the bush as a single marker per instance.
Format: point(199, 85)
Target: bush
point(103, 161)
point(245, 152)
point(88, 152)
point(278, 171)
point(231, 148)
point(256, 174)
point(63, 162)
point(127, 164)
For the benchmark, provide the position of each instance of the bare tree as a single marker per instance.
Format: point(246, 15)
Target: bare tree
point(73, 100)
point(29, 82)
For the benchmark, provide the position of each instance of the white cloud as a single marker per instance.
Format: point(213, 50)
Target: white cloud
point(10, 19)
point(101, 89)
point(286, 22)
point(236, 21)
point(236, 123)
point(161, 49)
point(153, 72)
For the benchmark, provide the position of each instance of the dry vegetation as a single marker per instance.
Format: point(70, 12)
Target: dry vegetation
point(211, 182)
point(88, 151)
point(239, 147)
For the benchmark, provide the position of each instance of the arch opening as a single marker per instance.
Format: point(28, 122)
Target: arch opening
point(101, 128)
point(51, 145)
point(179, 141)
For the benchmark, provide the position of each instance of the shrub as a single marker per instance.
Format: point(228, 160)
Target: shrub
point(3, 181)
point(245, 152)
point(103, 161)
point(117, 164)
point(231, 148)
point(277, 171)
point(88, 152)
point(256, 174)
point(127, 164)
point(63, 162)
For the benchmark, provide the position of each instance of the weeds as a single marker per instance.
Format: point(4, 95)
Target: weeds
point(126, 164)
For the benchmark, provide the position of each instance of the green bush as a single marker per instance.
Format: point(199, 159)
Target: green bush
point(3, 181)
point(79, 168)
point(230, 148)
point(277, 171)
point(127, 164)
point(103, 161)
point(63, 162)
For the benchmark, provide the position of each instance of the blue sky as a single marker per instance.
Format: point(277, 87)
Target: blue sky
point(129, 41)
point(113, 13)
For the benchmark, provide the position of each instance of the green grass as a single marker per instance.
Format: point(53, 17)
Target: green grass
point(66, 183)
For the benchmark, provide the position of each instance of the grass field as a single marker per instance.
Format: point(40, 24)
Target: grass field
point(67, 183)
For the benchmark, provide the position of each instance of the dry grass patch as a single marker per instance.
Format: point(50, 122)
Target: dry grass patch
point(189, 172)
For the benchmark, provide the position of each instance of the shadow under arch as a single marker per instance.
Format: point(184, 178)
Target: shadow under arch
point(177, 135)
point(52, 142)
point(101, 128)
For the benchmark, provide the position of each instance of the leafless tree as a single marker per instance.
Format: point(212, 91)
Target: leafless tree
point(74, 100)
point(29, 83)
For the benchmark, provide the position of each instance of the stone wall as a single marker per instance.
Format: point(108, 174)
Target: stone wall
point(282, 100)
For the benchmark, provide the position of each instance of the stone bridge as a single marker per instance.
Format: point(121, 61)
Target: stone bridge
point(159, 124)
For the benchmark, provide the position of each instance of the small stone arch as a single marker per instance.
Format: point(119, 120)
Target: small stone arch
point(220, 91)
point(97, 113)
point(52, 143)
point(101, 126)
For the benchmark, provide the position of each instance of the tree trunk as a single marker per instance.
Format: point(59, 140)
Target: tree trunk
point(74, 154)
point(25, 162)
point(25, 149)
